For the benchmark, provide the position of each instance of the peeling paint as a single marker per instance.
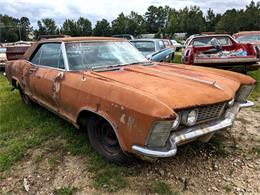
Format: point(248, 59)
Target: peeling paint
point(122, 118)
point(56, 85)
point(130, 122)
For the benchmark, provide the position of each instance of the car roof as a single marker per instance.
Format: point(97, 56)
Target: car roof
point(246, 33)
point(214, 35)
point(77, 39)
point(144, 40)
point(32, 48)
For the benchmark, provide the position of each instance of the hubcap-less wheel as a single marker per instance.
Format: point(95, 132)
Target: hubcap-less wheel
point(108, 139)
point(24, 97)
point(104, 140)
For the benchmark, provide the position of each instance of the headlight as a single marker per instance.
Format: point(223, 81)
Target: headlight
point(189, 117)
point(243, 92)
point(159, 133)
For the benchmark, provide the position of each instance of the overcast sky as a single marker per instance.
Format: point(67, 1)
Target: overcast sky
point(97, 9)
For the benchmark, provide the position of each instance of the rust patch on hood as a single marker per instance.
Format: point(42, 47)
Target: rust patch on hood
point(176, 86)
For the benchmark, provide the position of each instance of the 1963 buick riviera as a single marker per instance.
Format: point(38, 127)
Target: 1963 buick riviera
point(127, 104)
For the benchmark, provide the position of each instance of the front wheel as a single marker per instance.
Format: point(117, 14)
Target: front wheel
point(104, 140)
point(25, 98)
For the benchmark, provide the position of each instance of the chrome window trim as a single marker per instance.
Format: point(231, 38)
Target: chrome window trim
point(38, 65)
point(64, 59)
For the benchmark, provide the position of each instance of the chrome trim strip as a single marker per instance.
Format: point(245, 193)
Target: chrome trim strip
point(194, 132)
point(65, 58)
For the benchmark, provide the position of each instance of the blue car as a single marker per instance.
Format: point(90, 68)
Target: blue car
point(154, 49)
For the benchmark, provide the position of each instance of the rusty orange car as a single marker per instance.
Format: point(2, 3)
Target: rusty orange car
point(127, 104)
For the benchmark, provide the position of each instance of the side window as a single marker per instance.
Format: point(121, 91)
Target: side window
point(162, 46)
point(36, 58)
point(49, 54)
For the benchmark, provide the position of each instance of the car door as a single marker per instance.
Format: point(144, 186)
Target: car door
point(46, 73)
point(163, 54)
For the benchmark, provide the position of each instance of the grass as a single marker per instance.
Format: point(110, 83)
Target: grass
point(110, 178)
point(23, 127)
point(162, 188)
point(65, 191)
point(256, 93)
point(177, 58)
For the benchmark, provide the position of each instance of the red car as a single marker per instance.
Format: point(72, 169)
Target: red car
point(252, 37)
point(220, 51)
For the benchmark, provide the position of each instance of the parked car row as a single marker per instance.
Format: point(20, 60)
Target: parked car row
point(128, 104)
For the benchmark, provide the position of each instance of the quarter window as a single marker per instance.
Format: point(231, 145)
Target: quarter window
point(161, 44)
point(49, 54)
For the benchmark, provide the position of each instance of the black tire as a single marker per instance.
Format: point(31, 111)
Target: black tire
point(25, 98)
point(103, 139)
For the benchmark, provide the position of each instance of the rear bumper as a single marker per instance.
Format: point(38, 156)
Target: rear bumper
point(192, 133)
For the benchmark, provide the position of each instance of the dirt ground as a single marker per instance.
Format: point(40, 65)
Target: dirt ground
point(228, 164)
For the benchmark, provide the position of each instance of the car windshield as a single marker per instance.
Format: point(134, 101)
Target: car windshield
point(249, 38)
point(89, 55)
point(206, 41)
point(144, 46)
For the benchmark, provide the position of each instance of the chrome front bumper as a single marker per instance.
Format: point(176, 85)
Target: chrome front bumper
point(192, 133)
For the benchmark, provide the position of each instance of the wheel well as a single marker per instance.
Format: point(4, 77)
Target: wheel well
point(85, 114)
point(15, 83)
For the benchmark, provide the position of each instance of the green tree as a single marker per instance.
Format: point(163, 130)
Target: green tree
point(8, 29)
point(46, 26)
point(119, 25)
point(83, 27)
point(102, 28)
point(250, 19)
point(69, 27)
point(211, 20)
point(25, 28)
point(229, 22)
point(186, 20)
point(156, 18)
point(135, 24)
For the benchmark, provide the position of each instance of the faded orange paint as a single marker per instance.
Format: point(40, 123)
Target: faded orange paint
point(132, 98)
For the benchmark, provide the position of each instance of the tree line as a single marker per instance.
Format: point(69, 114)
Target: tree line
point(162, 21)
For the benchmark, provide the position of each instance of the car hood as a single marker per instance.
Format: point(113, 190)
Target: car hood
point(178, 86)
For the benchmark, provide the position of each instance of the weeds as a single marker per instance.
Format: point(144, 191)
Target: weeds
point(65, 191)
point(163, 188)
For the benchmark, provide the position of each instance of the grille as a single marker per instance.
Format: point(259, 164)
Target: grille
point(210, 112)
